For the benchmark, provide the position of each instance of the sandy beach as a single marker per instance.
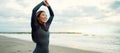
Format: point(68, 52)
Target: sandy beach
point(12, 45)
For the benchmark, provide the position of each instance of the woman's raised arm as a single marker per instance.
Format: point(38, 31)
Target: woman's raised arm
point(34, 18)
point(50, 12)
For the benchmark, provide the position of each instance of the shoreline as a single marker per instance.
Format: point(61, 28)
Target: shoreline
point(14, 45)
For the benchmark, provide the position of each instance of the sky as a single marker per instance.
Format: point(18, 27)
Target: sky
point(87, 16)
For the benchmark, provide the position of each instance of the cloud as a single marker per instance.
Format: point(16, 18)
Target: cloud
point(77, 15)
point(12, 8)
point(11, 13)
point(97, 14)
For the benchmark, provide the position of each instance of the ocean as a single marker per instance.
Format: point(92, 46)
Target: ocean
point(106, 43)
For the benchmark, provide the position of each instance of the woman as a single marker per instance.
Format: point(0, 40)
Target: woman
point(40, 27)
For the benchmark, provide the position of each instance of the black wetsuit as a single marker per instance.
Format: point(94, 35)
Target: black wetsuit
point(40, 32)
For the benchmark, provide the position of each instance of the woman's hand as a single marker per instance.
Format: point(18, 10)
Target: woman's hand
point(46, 3)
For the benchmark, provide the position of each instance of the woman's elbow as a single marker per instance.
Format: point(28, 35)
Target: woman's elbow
point(52, 15)
point(33, 10)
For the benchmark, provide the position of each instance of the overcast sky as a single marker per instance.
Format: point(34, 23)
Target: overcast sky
point(91, 16)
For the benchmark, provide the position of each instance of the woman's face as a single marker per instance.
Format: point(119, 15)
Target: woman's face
point(42, 18)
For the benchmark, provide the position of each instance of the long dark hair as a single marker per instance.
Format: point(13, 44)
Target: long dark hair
point(38, 13)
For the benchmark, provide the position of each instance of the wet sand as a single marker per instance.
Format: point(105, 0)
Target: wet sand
point(12, 45)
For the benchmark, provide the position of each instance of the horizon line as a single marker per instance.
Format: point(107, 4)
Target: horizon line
point(50, 32)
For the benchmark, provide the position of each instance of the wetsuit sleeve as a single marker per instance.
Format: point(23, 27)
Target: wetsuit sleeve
point(34, 18)
point(51, 15)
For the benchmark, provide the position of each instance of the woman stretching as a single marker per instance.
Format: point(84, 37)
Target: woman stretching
point(40, 27)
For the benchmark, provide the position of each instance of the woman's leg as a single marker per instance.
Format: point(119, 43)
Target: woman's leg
point(35, 49)
point(41, 49)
